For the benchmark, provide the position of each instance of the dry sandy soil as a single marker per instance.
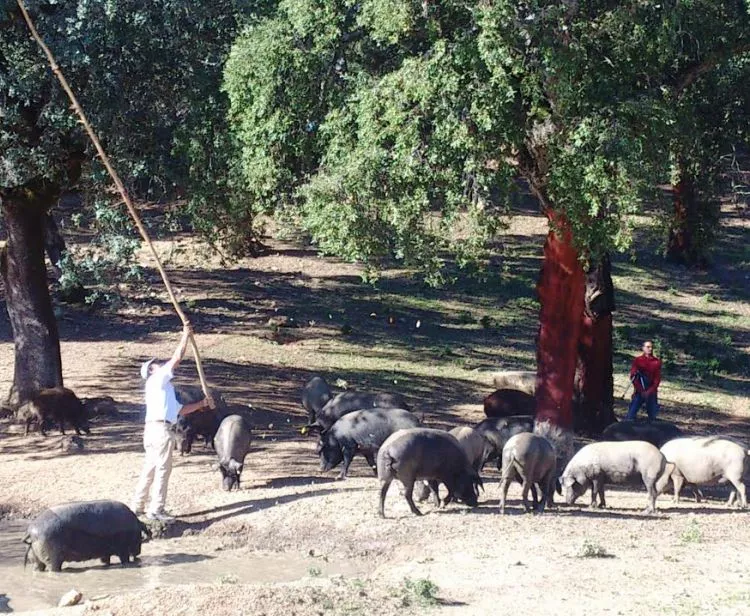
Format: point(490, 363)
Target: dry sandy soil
point(296, 541)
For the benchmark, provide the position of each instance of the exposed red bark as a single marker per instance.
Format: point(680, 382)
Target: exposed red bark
point(37, 343)
point(680, 242)
point(594, 384)
point(561, 289)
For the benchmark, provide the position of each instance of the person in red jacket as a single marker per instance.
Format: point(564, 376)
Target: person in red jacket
point(645, 374)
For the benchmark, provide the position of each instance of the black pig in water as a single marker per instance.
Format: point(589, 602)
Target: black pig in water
point(83, 531)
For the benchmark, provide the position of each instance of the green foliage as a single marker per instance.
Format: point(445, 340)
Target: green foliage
point(147, 75)
point(592, 549)
point(421, 592)
point(108, 259)
point(692, 533)
point(399, 128)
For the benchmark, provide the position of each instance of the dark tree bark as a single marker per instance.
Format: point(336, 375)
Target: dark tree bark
point(694, 219)
point(594, 383)
point(561, 294)
point(54, 243)
point(37, 344)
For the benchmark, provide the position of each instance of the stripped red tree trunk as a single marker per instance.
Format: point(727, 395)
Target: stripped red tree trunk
point(680, 243)
point(594, 385)
point(561, 294)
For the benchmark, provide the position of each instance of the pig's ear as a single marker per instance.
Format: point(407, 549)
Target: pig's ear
point(558, 487)
point(568, 481)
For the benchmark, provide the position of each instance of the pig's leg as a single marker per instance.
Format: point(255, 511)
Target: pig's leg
point(371, 461)
point(525, 487)
point(597, 489)
point(594, 492)
point(348, 456)
point(677, 481)
point(534, 495)
point(547, 486)
point(732, 497)
point(504, 485)
point(384, 485)
point(741, 492)
point(651, 490)
point(55, 563)
point(408, 493)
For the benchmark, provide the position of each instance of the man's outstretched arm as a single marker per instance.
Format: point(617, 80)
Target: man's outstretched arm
point(179, 352)
point(192, 407)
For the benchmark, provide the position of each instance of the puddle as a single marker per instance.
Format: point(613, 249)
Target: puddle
point(161, 563)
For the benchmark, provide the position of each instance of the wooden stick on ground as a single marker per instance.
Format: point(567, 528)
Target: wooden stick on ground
point(120, 187)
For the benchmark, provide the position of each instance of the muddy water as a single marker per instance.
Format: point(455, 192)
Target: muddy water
point(161, 563)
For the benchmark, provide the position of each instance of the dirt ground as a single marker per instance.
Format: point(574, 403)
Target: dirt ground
point(342, 558)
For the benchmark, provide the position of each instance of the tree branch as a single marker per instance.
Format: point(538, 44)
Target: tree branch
point(696, 70)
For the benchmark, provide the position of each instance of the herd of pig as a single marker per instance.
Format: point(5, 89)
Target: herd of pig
point(396, 444)
point(393, 441)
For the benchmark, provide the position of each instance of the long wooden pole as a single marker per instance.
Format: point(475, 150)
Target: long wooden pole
point(120, 187)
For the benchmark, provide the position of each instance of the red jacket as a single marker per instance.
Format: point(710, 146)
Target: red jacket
point(650, 367)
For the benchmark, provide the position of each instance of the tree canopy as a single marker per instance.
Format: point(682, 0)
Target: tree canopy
point(146, 73)
point(384, 123)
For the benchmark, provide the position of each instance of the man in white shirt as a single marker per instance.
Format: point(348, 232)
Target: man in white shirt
point(162, 411)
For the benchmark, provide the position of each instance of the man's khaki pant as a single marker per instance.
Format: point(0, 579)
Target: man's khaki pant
point(158, 441)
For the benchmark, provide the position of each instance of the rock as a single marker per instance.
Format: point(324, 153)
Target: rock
point(71, 444)
point(72, 597)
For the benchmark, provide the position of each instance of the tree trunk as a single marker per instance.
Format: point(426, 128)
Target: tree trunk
point(37, 344)
point(594, 383)
point(561, 294)
point(680, 243)
point(54, 243)
point(695, 217)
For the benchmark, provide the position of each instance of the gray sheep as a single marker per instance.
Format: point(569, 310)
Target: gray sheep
point(598, 464)
point(528, 459)
point(433, 455)
point(701, 461)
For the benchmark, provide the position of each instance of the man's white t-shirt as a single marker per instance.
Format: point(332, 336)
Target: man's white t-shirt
point(161, 402)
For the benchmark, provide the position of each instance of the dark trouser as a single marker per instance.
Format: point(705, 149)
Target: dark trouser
point(652, 406)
